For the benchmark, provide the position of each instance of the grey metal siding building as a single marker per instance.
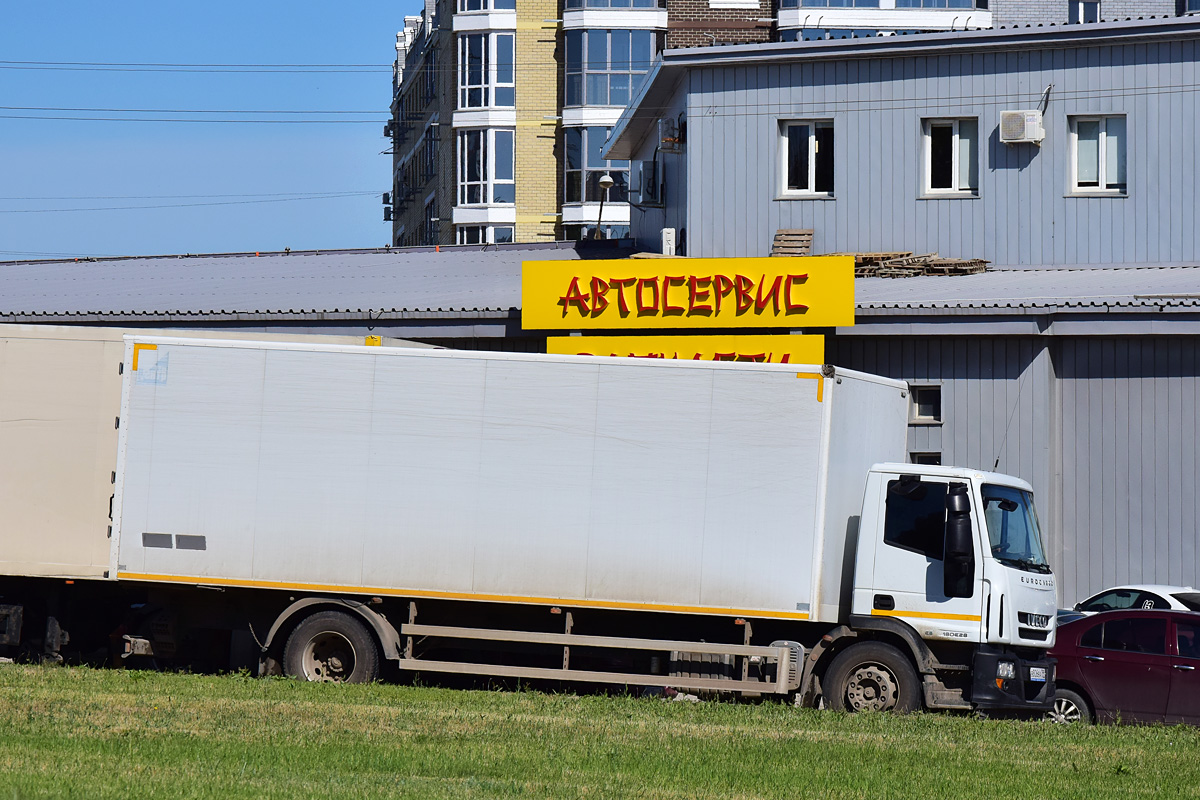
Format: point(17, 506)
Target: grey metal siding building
point(1103, 427)
point(880, 97)
point(1085, 381)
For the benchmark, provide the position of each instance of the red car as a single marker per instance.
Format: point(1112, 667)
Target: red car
point(1129, 666)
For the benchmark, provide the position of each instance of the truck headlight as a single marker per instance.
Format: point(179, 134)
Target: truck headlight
point(1006, 670)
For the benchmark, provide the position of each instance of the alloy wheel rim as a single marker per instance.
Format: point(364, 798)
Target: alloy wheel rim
point(1065, 711)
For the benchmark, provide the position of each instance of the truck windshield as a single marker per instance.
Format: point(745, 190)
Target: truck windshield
point(1013, 528)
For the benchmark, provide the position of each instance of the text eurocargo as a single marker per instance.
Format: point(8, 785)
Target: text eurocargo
point(811, 291)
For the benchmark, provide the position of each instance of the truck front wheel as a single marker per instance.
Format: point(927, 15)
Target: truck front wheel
point(332, 647)
point(872, 676)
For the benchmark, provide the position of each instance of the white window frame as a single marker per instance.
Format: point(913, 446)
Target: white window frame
point(492, 80)
point(914, 415)
point(1103, 144)
point(485, 6)
point(956, 188)
point(491, 176)
point(1077, 10)
point(488, 233)
point(784, 151)
point(583, 71)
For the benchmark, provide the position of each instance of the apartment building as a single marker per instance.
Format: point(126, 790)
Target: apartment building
point(500, 108)
point(423, 172)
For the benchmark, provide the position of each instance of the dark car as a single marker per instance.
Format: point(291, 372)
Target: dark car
point(1129, 666)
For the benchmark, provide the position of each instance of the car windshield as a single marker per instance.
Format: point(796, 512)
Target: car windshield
point(1123, 599)
point(1012, 524)
point(1189, 600)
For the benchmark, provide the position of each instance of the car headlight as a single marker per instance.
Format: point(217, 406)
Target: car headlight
point(1006, 670)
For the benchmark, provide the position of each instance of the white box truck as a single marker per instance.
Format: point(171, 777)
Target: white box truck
point(337, 509)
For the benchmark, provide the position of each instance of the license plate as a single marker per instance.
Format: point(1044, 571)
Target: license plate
point(1037, 674)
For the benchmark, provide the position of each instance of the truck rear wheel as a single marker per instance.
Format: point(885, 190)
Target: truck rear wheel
point(332, 647)
point(872, 676)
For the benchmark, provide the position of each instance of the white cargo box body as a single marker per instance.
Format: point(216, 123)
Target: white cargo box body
point(644, 484)
point(60, 396)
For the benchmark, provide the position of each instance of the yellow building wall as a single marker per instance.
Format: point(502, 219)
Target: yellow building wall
point(537, 97)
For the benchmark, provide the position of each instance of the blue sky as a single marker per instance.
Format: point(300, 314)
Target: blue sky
point(47, 166)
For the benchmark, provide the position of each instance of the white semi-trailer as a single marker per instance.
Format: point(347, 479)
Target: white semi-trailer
point(330, 510)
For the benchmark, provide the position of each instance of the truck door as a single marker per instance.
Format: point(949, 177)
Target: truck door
point(909, 577)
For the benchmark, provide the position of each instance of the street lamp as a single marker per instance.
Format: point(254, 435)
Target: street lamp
point(606, 183)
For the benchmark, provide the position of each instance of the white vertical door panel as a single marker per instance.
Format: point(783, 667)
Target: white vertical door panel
point(535, 484)
point(760, 497)
point(425, 446)
point(315, 442)
point(651, 464)
point(191, 459)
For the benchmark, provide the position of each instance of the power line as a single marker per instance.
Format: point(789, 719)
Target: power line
point(331, 196)
point(300, 195)
point(175, 64)
point(209, 69)
point(721, 109)
point(377, 121)
point(181, 110)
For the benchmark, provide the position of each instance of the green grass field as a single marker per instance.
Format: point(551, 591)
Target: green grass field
point(109, 734)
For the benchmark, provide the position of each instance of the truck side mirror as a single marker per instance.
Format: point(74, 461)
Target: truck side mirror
point(958, 567)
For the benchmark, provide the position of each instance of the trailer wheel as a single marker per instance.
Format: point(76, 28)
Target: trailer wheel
point(872, 676)
point(332, 647)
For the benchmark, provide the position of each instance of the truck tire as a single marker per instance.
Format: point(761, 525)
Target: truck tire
point(332, 647)
point(1069, 708)
point(872, 676)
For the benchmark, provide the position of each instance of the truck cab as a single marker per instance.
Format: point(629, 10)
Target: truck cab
point(955, 557)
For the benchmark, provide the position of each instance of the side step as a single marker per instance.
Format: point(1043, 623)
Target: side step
point(780, 655)
point(937, 695)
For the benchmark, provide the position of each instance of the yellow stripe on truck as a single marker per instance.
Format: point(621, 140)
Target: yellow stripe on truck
point(820, 383)
point(139, 347)
point(490, 598)
point(875, 612)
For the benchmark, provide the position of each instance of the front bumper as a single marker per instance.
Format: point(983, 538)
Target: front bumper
point(1020, 693)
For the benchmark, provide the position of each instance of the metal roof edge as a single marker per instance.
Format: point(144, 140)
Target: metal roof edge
point(452, 248)
point(312, 315)
point(622, 145)
point(1051, 36)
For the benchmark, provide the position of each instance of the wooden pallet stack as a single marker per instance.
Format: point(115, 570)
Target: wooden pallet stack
point(792, 242)
point(907, 265)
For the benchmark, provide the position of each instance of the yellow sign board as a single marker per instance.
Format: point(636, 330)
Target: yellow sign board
point(640, 294)
point(763, 349)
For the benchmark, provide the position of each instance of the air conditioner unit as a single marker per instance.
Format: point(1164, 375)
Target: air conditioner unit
point(1021, 126)
point(646, 189)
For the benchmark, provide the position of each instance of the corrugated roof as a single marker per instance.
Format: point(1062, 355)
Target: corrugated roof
point(405, 282)
point(1041, 290)
point(471, 282)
